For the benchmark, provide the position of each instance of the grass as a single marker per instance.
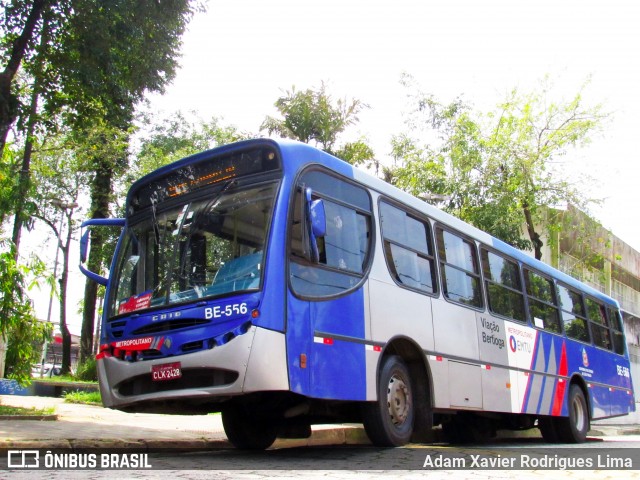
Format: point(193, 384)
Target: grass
point(87, 398)
point(8, 410)
point(63, 378)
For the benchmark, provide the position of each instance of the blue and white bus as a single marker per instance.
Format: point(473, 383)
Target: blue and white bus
point(281, 286)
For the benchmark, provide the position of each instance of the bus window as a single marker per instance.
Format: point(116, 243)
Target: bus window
point(617, 330)
point(343, 251)
point(459, 269)
point(598, 321)
point(542, 302)
point(504, 289)
point(408, 250)
point(573, 314)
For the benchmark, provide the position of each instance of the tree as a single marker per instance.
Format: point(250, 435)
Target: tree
point(313, 116)
point(499, 171)
point(176, 137)
point(121, 50)
point(18, 325)
point(62, 177)
point(21, 21)
point(96, 61)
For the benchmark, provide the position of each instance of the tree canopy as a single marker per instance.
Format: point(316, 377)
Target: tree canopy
point(313, 116)
point(497, 170)
point(82, 65)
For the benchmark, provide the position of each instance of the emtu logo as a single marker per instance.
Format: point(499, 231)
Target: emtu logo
point(513, 344)
point(23, 459)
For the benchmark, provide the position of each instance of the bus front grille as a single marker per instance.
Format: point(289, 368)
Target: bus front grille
point(192, 378)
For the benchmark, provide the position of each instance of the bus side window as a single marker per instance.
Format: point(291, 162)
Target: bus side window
point(542, 302)
point(343, 251)
point(598, 322)
point(459, 269)
point(504, 288)
point(617, 329)
point(408, 249)
point(573, 314)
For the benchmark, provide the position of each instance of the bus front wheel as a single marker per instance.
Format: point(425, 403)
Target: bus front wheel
point(246, 430)
point(389, 421)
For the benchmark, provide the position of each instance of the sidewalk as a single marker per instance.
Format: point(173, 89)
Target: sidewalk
point(85, 426)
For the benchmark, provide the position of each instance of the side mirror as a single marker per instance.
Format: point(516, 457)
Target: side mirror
point(317, 223)
point(84, 244)
point(318, 218)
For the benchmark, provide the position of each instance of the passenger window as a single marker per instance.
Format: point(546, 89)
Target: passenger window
point(407, 248)
point(573, 314)
point(617, 329)
point(542, 302)
point(504, 288)
point(459, 269)
point(598, 320)
point(343, 251)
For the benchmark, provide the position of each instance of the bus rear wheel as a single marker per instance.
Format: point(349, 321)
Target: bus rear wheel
point(574, 428)
point(389, 420)
point(246, 430)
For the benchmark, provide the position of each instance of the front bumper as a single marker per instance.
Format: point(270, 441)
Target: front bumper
point(249, 363)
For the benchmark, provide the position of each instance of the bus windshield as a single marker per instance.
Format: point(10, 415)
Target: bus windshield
point(201, 248)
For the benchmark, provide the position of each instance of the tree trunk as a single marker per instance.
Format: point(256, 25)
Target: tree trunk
point(531, 229)
point(25, 170)
point(8, 100)
point(64, 278)
point(100, 196)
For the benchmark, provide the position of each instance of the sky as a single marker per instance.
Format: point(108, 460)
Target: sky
point(241, 55)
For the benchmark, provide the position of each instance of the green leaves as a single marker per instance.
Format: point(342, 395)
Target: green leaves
point(499, 169)
point(177, 137)
point(313, 116)
point(18, 325)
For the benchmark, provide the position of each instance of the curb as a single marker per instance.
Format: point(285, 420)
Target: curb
point(321, 437)
point(46, 418)
point(117, 444)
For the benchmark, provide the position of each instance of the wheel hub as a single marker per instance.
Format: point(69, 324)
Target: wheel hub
point(398, 400)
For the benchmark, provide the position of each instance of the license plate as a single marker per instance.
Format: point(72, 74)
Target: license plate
point(166, 371)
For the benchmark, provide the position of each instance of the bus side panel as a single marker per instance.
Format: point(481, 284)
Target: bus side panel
point(607, 376)
point(408, 314)
point(455, 335)
point(338, 366)
point(547, 385)
point(521, 341)
point(299, 339)
point(600, 401)
point(621, 402)
point(496, 376)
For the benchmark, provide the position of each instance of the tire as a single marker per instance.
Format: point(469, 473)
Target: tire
point(574, 428)
point(389, 420)
point(248, 431)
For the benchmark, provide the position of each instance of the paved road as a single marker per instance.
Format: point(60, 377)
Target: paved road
point(82, 426)
point(367, 462)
